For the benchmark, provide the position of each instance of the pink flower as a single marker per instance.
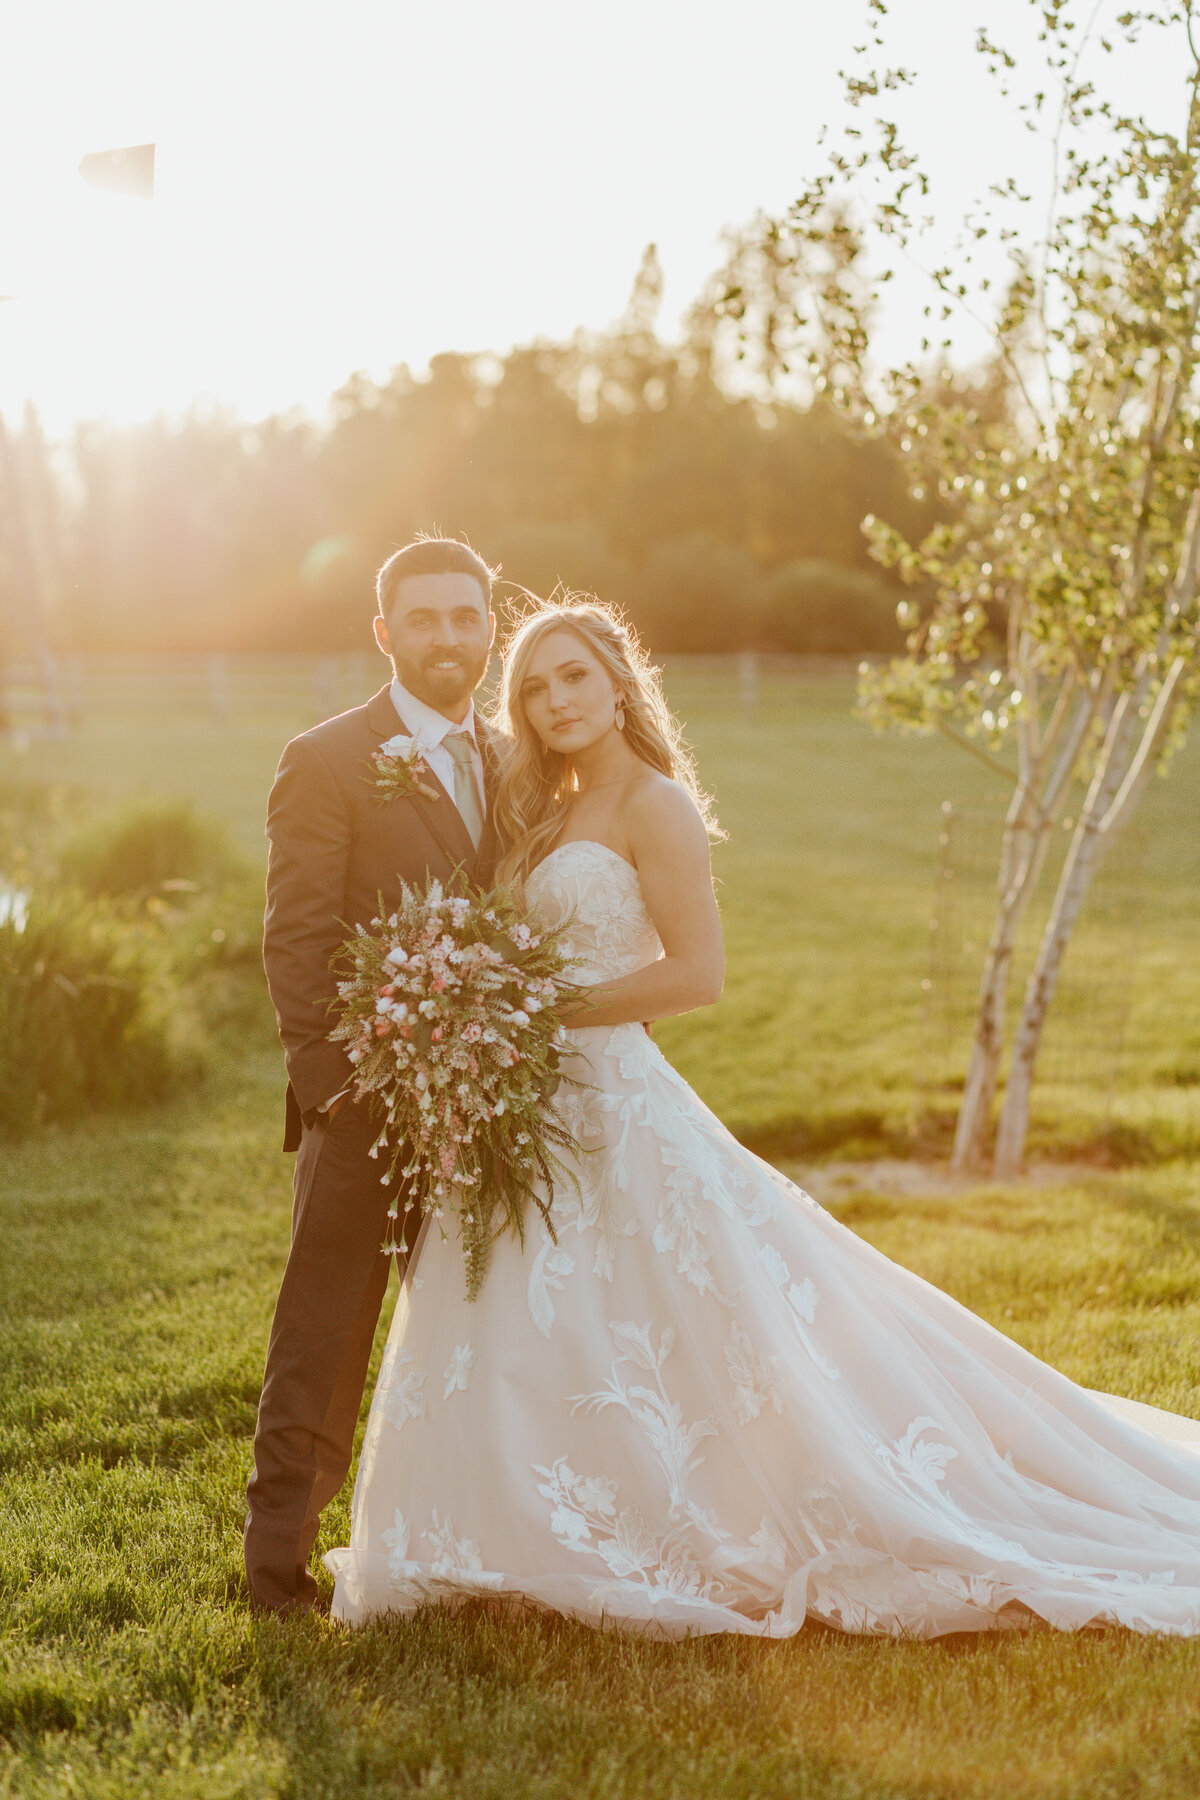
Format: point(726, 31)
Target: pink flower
point(437, 1034)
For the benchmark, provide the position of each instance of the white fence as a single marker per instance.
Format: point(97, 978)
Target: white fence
point(37, 699)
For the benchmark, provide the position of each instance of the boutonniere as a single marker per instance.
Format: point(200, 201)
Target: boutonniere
point(396, 770)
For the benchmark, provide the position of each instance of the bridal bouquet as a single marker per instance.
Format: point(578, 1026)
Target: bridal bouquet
point(449, 1015)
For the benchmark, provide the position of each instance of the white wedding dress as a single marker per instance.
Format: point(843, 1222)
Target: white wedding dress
point(710, 1407)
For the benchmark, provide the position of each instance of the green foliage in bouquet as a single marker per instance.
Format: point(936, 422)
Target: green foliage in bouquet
point(449, 1015)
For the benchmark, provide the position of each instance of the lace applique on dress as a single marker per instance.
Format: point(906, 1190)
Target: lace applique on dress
point(598, 891)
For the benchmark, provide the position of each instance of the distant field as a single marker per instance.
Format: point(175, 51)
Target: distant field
point(826, 887)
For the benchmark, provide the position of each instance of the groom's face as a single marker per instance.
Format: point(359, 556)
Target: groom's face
point(438, 633)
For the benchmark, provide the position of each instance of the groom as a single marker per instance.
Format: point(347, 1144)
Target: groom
point(334, 849)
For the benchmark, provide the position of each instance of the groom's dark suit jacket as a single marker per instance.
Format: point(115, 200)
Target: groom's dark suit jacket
point(335, 849)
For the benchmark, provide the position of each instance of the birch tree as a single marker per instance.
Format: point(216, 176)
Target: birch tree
point(1053, 628)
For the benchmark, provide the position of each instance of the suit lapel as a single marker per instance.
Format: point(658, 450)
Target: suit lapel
point(441, 817)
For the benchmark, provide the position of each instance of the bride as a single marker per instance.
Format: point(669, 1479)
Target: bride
point(704, 1405)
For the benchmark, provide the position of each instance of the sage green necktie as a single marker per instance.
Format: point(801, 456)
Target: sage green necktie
point(457, 745)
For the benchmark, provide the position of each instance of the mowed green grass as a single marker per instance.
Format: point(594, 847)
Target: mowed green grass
point(141, 1259)
point(140, 1267)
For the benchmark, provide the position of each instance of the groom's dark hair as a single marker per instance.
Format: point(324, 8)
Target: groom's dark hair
point(432, 556)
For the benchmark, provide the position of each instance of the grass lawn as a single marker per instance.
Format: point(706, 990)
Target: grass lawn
point(142, 1254)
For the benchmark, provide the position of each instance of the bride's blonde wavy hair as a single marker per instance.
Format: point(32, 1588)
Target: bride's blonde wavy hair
point(538, 784)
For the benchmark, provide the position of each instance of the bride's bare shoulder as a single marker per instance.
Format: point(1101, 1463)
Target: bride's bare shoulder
point(659, 814)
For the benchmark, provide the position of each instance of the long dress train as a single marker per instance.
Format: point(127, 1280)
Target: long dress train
point(709, 1407)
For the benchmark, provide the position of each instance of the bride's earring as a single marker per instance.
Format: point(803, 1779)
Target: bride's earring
point(619, 719)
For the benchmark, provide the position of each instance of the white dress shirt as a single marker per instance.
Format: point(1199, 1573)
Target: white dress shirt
point(429, 728)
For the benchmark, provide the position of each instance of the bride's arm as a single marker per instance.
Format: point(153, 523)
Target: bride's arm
point(669, 847)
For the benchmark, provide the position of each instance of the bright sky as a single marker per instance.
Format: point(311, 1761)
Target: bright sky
point(348, 184)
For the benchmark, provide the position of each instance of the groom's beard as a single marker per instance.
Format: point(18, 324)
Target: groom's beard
point(441, 687)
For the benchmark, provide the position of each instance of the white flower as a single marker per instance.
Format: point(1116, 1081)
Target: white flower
point(769, 1545)
point(595, 1494)
point(396, 958)
point(458, 1369)
point(406, 1396)
point(569, 1525)
point(397, 1542)
point(452, 1555)
point(518, 1019)
point(400, 745)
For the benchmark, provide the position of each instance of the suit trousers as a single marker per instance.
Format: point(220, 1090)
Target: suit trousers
point(319, 1351)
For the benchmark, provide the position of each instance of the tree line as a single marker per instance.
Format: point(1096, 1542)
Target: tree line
point(616, 463)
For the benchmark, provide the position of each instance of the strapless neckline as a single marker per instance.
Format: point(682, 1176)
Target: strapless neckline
point(588, 843)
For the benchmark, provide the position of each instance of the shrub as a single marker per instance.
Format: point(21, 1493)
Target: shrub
point(698, 594)
point(817, 609)
point(145, 848)
point(84, 1014)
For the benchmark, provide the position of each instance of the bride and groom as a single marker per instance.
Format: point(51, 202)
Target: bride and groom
point(701, 1404)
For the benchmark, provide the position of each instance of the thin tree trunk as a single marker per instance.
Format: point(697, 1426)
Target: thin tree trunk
point(1031, 820)
point(984, 1067)
point(1082, 863)
point(1087, 847)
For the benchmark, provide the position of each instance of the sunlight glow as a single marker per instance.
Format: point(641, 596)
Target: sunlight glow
point(361, 185)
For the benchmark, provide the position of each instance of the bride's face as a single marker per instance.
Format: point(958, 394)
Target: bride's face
point(568, 696)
